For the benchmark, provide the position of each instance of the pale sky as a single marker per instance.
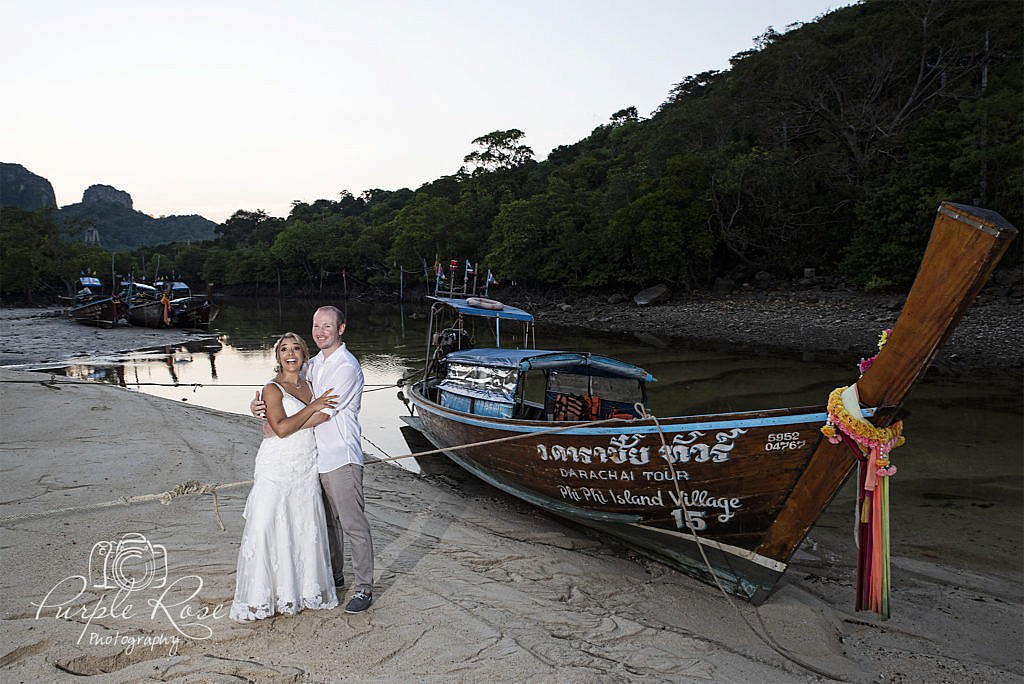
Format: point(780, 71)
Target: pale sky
point(208, 107)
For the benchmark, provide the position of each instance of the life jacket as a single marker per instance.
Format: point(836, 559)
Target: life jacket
point(573, 407)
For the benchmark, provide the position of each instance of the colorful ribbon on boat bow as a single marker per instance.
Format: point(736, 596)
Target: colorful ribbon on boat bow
point(166, 302)
point(871, 445)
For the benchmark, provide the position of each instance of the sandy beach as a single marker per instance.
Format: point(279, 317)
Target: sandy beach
point(471, 585)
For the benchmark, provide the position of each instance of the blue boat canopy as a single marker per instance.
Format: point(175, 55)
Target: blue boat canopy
point(527, 359)
point(510, 313)
point(175, 285)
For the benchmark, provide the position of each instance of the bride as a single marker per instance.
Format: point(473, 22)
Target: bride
point(284, 561)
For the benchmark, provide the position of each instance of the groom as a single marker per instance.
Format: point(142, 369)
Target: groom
point(339, 453)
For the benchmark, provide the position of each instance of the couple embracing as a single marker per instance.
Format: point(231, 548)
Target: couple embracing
point(292, 548)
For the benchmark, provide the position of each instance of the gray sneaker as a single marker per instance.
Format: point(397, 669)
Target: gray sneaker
point(360, 601)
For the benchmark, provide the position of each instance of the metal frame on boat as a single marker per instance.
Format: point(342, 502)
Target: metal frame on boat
point(726, 498)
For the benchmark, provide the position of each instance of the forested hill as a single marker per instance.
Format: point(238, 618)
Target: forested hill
point(827, 145)
point(118, 227)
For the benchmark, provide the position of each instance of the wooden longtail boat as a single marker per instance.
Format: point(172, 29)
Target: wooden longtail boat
point(193, 312)
point(188, 310)
point(91, 307)
point(726, 498)
point(102, 313)
point(169, 305)
point(146, 307)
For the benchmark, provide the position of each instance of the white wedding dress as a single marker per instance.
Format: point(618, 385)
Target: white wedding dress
point(284, 562)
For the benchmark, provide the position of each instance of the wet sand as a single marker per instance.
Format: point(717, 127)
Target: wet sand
point(470, 583)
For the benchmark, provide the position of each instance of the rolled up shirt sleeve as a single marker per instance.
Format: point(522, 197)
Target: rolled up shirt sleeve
point(338, 440)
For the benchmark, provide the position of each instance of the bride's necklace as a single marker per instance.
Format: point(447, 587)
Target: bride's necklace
point(296, 385)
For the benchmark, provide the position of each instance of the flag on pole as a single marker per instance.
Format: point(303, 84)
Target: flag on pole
point(491, 280)
point(438, 276)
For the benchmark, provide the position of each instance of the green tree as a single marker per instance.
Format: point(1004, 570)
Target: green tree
point(500, 150)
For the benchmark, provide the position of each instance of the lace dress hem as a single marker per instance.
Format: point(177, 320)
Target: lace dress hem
point(242, 612)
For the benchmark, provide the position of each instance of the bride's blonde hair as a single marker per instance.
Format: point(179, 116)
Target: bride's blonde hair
point(280, 341)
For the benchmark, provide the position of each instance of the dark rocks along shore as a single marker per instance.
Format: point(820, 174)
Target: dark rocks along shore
point(813, 321)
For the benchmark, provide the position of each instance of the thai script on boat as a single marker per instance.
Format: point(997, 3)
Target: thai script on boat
point(621, 449)
point(624, 449)
point(685, 449)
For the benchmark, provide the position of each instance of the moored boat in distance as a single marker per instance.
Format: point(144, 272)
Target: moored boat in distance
point(92, 307)
point(727, 498)
point(188, 310)
point(147, 307)
point(168, 304)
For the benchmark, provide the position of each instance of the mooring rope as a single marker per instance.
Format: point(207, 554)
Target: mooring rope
point(196, 487)
point(53, 383)
point(182, 489)
point(496, 440)
point(762, 633)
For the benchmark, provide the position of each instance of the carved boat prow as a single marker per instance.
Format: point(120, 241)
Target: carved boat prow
point(965, 246)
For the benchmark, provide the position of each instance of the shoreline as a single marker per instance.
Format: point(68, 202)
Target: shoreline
point(985, 346)
point(35, 336)
point(812, 323)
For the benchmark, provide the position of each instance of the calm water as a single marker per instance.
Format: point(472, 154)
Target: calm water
point(958, 492)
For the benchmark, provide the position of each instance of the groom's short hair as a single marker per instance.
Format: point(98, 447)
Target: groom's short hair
point(339, 315)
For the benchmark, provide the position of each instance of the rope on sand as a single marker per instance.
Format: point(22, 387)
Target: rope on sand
point(470, 445)
point(54, 383)
point(182, 489)
point(190, 487)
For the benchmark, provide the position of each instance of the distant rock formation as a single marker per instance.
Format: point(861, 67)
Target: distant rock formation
point(105, 216)
point(95, 194)
point(23, 189)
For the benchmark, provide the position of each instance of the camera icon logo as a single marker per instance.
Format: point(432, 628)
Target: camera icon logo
point(131, 563)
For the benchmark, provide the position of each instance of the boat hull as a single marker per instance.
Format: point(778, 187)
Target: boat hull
point(147, 315)
point(662, 487)
point(103, 313)
point(195, 312)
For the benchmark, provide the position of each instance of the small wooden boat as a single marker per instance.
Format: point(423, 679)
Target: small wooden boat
point(726, 498)
point(92, 307)
point(147, 307)
point(169, 304)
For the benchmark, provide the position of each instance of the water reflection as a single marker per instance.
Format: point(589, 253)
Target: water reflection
point(109, 374)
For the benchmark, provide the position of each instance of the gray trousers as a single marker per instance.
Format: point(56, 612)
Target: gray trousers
point(344, 506)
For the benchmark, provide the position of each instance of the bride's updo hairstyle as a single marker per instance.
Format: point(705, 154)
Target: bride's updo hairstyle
point(280, 341)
